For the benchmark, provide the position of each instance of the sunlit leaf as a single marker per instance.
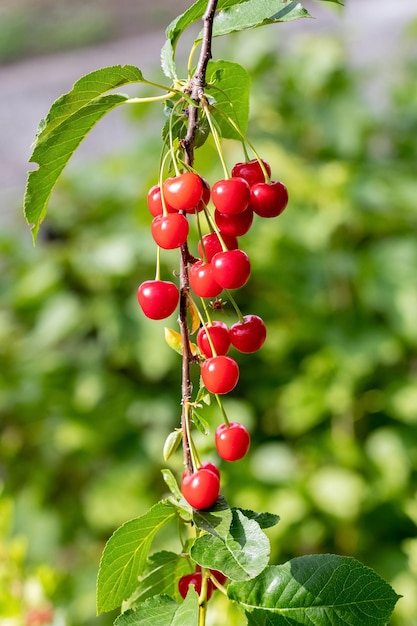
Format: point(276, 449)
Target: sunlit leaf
point(254, 13)
point(69, 120)
point(125, 554)
point(242, 554)
point(229, 83)
point(318, 589)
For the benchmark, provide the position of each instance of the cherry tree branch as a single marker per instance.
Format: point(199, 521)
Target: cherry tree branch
point(197, 85)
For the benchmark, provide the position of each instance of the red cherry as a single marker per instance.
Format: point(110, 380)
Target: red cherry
point(269, 200)
point(210, 466)
point(39, 616)
point(201, 489)
point(219, 335)
point(158, 298)
point(183, 192)
point(202, 281)
point(196, 580)
point(220, 374)
point(170, 231)
point(155, 202)
point(205, 199)
point(236, 225)
point(212, 244)
point(249, 335)
point(231, 269)
point(251, 171)
point(232, 442)
point(231, 196)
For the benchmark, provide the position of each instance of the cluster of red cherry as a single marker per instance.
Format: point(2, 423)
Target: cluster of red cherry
point(221, 265)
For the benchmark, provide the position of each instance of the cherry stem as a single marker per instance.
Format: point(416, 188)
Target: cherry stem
point(205, 326)
point(216, 140)
point(225, 418)
point(161, 184)
point(196, 91)
point(235, 306)
point(158, 264)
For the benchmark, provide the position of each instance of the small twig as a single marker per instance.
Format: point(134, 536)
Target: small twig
point(197, 85)
point(198, 81)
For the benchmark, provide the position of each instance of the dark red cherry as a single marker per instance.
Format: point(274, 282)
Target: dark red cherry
point(231, 269)
point(231, 196)
point(211, 244)
point(269, 200)
point(251, 171)
point(234, 224)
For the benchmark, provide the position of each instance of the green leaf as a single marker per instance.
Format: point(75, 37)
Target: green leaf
point(161, 575)
point(171, 443)
point(200, 422)
point(217, 521)
point(69, 120)
point(171, 483)
point(163, 611)
point(241, 555)
point(318, 589)
point(254, 13)
point(229, 84)
point(265, 520)
point(125, 554)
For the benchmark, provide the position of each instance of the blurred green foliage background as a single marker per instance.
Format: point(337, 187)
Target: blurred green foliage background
point(89, 390)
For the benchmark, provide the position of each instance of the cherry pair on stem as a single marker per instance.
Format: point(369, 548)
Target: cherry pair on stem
point(202, 487)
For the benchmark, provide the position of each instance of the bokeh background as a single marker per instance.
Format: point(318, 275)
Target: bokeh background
point(88, 388)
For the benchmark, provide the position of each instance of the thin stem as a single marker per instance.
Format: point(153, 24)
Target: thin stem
point(235, 306)
point(216, 140)
point(165, 96)
point(190, 58)
point(225, 418)
point(158, 264)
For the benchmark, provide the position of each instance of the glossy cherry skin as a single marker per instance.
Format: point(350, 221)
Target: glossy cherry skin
point(235, 225)
point(231, 269)
point(269, 200)
point(201, 489)
point(251, 171)
point(232, 442)
point(205, 198)
point(158, 299)
point(170, 231)
point(155, 202)
point(231, 196)
point(249, 335)
point(202, 281)
point(183, 192)
point(220, 374)
point(219, 335)
point(210, 466)
point(195, 579)
point(212, 245)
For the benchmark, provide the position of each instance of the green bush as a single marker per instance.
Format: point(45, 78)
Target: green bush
point(89, 390)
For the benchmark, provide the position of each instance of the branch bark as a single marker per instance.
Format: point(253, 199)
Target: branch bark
point(198, 82)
